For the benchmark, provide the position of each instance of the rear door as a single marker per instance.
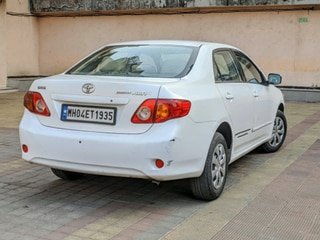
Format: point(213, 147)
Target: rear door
point(237, 98)
point(261, 93)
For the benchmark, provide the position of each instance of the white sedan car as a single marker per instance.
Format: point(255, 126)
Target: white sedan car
point(160, 110)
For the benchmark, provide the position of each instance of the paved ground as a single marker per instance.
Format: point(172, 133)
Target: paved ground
point(267, 196)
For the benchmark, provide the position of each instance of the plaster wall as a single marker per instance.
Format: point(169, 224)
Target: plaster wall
point(22, 40)
point(3, 60)
point(282, 42)
point(18, 6)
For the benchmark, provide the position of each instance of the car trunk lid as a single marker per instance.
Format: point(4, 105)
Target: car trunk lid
point(121, 94)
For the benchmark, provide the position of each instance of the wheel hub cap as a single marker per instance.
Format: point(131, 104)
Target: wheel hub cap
point(218, 168)
point(277, 132)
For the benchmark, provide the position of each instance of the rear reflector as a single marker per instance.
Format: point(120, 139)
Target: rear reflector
point(161, 110)
point(35, 103)
point(159, 163)
point(25, 148)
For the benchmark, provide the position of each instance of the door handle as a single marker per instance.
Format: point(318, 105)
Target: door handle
point(229, 96)
point(255, 94)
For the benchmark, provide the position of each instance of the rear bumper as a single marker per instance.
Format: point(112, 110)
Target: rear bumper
point(181, 144)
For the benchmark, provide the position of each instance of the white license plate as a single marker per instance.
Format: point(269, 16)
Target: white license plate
point(89, 114)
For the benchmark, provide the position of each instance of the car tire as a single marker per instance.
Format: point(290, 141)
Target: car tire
point(210, 184)
point(279, 133)
point(66, 175)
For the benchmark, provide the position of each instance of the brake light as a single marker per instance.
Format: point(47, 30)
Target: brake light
point(161, 110)
point(35, 103)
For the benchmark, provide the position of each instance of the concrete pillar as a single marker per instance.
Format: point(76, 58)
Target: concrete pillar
point(3, 55)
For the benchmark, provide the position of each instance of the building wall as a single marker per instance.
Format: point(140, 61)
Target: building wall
point(22, 40)
point(283, 42)
point(3, 61)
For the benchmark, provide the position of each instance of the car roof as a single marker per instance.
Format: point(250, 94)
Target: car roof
point(175, 42)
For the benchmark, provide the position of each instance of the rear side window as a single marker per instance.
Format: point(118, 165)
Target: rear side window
point(158, 61)
point(250, 71)
point(225, 67)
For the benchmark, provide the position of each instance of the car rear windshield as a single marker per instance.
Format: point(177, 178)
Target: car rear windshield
point(157, 61)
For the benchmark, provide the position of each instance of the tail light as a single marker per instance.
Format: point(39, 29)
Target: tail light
point(35, 103)
point(161, 110)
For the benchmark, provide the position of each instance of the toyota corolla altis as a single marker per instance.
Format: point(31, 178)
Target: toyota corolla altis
point(160, 110)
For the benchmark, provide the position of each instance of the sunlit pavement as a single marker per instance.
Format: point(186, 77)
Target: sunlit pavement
point(267, 196)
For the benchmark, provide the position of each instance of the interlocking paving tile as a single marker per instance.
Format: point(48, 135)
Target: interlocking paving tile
point(34, 204)
point(288, 208)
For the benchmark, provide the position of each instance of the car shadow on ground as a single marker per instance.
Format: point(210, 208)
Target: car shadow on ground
point(92, 188)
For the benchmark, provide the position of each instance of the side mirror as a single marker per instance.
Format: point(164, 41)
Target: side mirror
point(274, 79)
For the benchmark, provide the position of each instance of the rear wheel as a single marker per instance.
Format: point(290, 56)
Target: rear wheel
point(66, 175)
point(210, 184)
point(279, 133)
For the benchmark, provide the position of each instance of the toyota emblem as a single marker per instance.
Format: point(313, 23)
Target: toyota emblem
point(88, 88)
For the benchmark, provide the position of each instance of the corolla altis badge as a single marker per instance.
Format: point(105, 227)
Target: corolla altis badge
point(133, 93)
point(88, 88)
